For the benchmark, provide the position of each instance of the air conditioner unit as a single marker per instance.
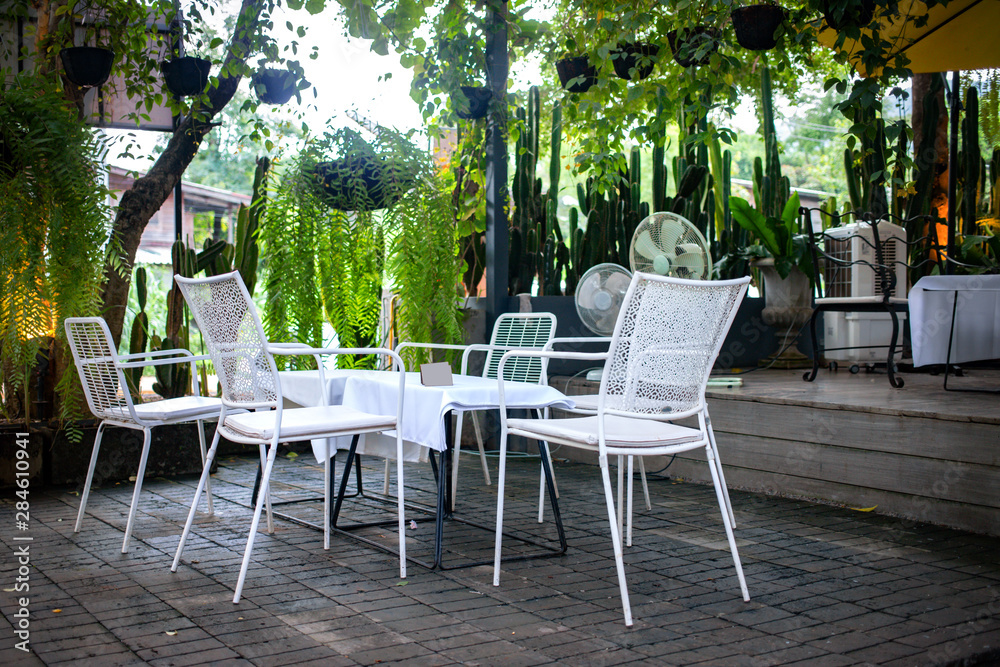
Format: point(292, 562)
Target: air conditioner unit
point(867, 335)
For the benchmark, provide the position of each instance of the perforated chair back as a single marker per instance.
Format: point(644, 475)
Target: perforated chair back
point(667, 337)
point(234, 336)
point(520, 330)
point(103, 382)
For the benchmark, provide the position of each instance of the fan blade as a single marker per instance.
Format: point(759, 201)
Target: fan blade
point(585, 292)
point(644, 245)
point(671, 231)
point(692, 259)
point(618, 283)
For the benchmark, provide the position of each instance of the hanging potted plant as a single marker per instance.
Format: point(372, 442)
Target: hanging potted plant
point(576, 73)
point(636, 58)
point(755, 25)
point(693, 45)
point(364, 177)
point(472, 102)
point(87, 66)
point(840, 14)
point(273, 85)
point(186, 75)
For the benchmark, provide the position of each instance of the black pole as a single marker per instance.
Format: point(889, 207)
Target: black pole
point(496, 168)
point(956, 104)
point(177, 29)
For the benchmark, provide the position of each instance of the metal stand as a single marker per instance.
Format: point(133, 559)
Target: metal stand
point(947, 359)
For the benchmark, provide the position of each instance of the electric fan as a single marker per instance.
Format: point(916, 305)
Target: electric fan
point(599, 296)
point(670, 245)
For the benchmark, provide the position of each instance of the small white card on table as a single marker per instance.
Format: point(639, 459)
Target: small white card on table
point(436, 375)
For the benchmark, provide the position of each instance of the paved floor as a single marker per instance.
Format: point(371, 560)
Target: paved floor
point(828, 585)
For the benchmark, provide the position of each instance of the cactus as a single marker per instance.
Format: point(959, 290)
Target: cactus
point(971, 165)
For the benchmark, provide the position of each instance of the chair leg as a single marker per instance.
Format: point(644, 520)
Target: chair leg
point(645, 486)
point(616, 536)
point(326, 493)
point(400, 505)
point(90, 478)
point(628, 533)
point(721, 497)
point(479, 443)
point(262, 499)
point(718, 466)
point(202, 483)
point(621, 490)
point(265, 491)
point(208, 482)
point(456, 457)
point(143, 457)
point(501, 474)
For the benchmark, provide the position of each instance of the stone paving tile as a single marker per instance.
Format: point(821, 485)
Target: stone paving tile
point(828, 586)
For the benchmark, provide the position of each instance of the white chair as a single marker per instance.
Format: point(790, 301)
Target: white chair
point(244, 362)
point(667, 337)
point(510, 332)
point(102, 375)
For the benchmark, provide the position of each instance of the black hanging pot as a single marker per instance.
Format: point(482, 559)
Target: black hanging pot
point(755, 26)
point(186, 76)
point(627, 56)
point(840, 15)
point(576, 66)
point(474, 102)
point(693, 46)
point(87, 66)
point(361, 183)
point(274, 86)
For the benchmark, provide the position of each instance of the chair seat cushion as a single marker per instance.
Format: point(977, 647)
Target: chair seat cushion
point(306, 423)
point(180, 409)
point(619, 431)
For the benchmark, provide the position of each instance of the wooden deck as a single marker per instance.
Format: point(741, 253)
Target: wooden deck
point(918, 452)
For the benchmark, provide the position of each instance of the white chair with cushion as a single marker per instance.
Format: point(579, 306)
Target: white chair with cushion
point(253, 410)
point(102, 374)
point(656, 370)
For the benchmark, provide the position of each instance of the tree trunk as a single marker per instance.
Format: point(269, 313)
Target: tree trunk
point(147, 194)
point(939, 151)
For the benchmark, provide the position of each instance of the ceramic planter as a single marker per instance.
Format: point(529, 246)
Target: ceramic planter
point(186, 76)
point(361, 183)
point(787, 307)
point(87, 66)
point(473, 102)
point(694, 46)
point(577, 66)
point(628, 56)
point(755, 25)
point(274, 86)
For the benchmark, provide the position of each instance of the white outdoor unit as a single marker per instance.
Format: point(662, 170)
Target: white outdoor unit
point(851, 243)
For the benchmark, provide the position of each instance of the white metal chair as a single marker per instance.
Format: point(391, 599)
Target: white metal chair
point(510, 332)
point(244, 362)
point(667, 337)
point(102, 375)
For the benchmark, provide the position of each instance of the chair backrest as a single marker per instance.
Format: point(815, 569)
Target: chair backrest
point(668, 334)
point(103, 381)
point(234, 336)
point(520, 330)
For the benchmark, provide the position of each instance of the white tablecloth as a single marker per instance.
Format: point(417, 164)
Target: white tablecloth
point(977, 319)
point(423, 407)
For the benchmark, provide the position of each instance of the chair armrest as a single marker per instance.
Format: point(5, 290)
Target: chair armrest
point(484, 347)
point(575, 340)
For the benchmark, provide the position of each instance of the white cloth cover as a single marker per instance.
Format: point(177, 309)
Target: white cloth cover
point(977, 319)
point(423, 407)
point(299, 422)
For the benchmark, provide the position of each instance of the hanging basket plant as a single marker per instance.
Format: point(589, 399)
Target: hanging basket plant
point(576, 74)
point(186, 76)
point(840, 14)
point(87, 66)
point(693, 46)
point(755, 26)
point(628, 56)
point(274, 86)
point(473, 102)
